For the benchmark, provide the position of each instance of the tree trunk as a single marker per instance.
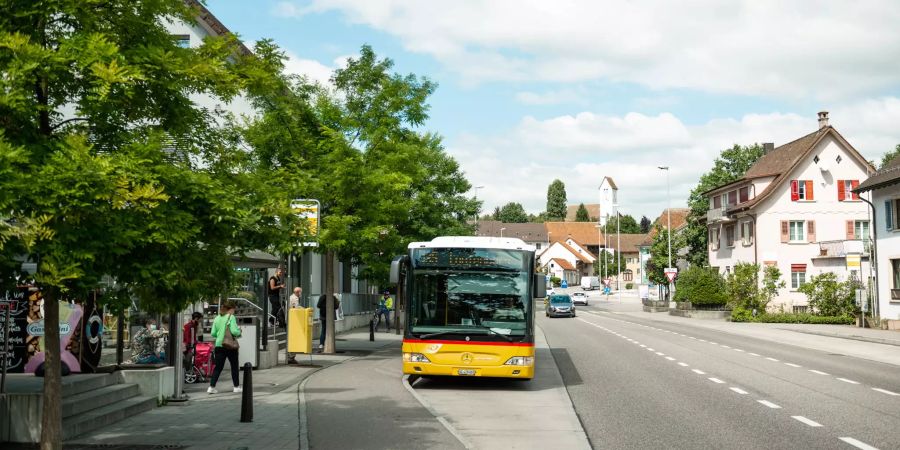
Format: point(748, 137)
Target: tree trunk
point(51, 420)
point(329, 302)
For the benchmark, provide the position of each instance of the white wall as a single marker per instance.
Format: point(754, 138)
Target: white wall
point(557, 251)
point(888, 249)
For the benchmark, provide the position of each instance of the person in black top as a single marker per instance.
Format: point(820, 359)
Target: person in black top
point(323, 318)
point(276, 284)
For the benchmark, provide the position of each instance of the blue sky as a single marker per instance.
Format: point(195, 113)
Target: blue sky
point(577, 90)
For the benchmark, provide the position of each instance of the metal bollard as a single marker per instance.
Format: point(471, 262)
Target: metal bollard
point(247, 394)
point(371, 331)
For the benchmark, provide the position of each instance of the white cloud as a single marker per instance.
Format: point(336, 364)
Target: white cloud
point(568, 96)
point(795, 49)
point(310, 68)
point(519, 164)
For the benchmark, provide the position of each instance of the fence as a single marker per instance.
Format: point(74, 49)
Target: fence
point(351, 304)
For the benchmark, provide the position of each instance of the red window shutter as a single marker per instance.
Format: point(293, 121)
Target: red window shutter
point(853, 185)
point(795, 190)
point(811, 231)
point(732, 198)
point(809, 190)
point(717, 202)
point(850, 231)
point(744, 194)
point(798, 267)
point(785, 233)
point(842, 194)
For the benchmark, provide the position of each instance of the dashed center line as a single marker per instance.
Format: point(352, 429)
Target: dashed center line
point(686, 364)
point(857, 443)
point(885, 391)
point(698, 371)
point(670, 358)
point(809, 422)
point(848, 381)
point(738, 350)
point(818, 372)
point(739, 390)
point(660, 353)
point(769, 404)
point(715, 380)
point(792, 365)
point(771, 359)
point(753, 354)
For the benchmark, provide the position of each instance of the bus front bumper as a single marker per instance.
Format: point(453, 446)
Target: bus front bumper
point(460, 370)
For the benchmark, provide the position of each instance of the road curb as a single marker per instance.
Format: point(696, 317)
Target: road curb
point(447, 425)
point(566, 387)
point(302, 416)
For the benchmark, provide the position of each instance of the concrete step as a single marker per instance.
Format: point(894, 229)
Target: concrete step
point(98, 398)
point(101, 417)
point(77, 383)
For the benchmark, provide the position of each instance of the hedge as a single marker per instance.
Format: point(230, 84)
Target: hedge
point(742, 315)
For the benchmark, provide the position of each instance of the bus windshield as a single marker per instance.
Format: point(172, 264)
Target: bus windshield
point(472, 291)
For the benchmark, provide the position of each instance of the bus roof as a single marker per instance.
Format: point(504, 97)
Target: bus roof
point(474, 242)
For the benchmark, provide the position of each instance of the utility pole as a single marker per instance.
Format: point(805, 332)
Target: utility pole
point(477, 209)
point(669, 222)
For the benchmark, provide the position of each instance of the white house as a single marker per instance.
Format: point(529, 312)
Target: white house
point(884, 187)
point(795, 209)
point(579, 261)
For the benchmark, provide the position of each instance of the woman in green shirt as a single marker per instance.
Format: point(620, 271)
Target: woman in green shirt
point(225, 319)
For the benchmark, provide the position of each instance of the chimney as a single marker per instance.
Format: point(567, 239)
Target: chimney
point(768, 147)
point(823, 119)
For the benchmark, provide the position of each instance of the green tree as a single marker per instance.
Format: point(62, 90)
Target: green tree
point(746, 292)
point(627, 226)
point(610, 264)
point(731, 164)
point(556, 201)
point(659, 254)
point(701, 286)
point(582, 214)
point(889, 156)
point(830, 297)
point(645, 224)
point(512, 212)
point(99, 126)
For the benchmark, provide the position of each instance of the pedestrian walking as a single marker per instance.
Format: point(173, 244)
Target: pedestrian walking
point(225, 331)
point(385, 305)
point(276, 284)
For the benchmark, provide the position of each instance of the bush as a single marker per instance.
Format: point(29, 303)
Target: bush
point(629, 285)
point(746, 315)
point(701, 286)
point(830, 297)
point(555, 281)
point(743, 286)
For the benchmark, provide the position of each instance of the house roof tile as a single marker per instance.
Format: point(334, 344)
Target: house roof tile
point(528, 232)
point(886, 176)
point(563, 263)
point(593, 210)
point(585, 233)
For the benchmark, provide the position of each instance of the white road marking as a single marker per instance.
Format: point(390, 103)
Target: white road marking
point(885, 391)
point(739, 390)
point(660, 353)
point(753, 354)
point(818, 372)
point(650, 349)
point(771, 359)
point(857, 444)
point(715, 380)
point(670, 358)
point(769, 404)
point(738, 350)
point(725, 346)
point(698, 371)
point(848, 381)
point(713, 343)
point(686, 364)
point(644, 346)
point(809, 422)
point(792, 365)
point(702, 340)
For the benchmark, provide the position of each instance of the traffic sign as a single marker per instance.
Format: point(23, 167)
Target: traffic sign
point(671, 273)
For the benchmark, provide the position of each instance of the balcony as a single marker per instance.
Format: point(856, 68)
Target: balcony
point(715, 215)
point(840, 249)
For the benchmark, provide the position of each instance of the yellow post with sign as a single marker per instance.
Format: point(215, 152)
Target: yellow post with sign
point(300, 329)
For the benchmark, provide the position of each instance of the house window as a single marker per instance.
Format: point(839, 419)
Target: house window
point(801, 309)
point(183, 40)
point(796, 231)
point(845, 190)
point(747, 232)
point(729, 235)
point(714, 238)
point(798, 275)
point(801, 190)
point(627, 275)
point(892, 214)
point(537, 245)
point(744, 194)
point(861, 230)
point(895, 288)
point(732, 198)
point(717, 202)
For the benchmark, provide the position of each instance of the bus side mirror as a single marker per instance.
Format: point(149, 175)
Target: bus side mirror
point(540, 286)
point(395, 269)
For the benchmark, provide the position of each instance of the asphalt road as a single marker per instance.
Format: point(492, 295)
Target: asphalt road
point(636, 383)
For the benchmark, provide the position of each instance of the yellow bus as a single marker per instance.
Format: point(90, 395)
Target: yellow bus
point(469, 305)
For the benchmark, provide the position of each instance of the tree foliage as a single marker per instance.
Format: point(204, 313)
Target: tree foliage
point(731, 164)
point(512, 212)
point(888, 156)
point(829, 297)
point(701, 286)
point(659, 253)
point(608, 264)
point(582, 215)
point(645, 224)
point(747, 292)
point(556, 201)
point(627, 225)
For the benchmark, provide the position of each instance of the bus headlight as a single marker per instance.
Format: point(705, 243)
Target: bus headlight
point(415, 357)
point(520, 361)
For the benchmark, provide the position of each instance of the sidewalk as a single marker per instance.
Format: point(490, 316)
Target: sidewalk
point(213, 421)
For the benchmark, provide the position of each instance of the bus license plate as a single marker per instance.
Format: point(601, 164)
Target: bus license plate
point(468, 372)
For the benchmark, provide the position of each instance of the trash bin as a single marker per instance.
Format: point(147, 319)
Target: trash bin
point(300, 329)
point(249, 349)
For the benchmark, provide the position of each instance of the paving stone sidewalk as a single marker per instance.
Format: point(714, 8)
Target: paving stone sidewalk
point(213, 421)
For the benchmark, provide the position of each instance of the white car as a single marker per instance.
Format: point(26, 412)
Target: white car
point(579, 298)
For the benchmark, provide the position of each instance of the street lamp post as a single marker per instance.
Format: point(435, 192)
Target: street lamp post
point(477, 210)
point(669, 222)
